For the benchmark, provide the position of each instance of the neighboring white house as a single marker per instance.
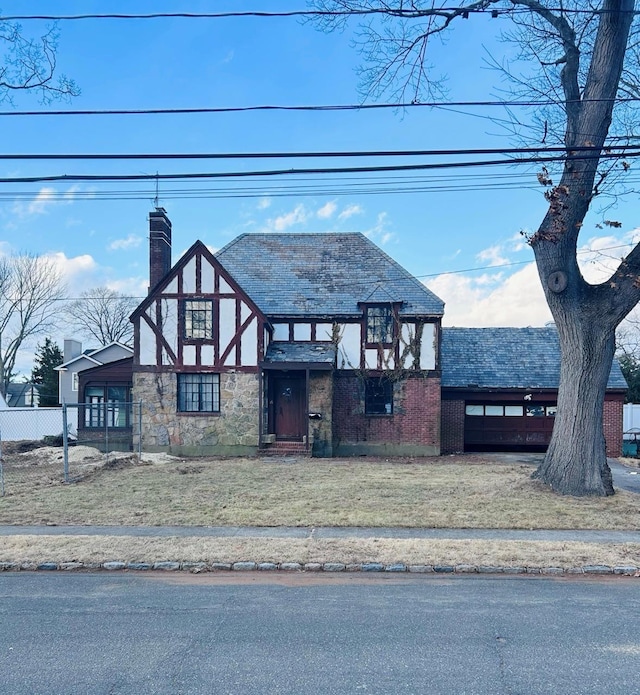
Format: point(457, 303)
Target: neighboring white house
point(75, 361)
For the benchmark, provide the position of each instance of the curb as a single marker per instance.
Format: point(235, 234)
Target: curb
point(326, 567)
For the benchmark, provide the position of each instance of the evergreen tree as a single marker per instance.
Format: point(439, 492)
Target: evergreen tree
point(630, 366)
point(48, 356)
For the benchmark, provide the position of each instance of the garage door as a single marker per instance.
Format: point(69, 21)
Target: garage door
point(497, 426)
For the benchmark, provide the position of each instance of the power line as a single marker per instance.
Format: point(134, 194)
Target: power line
point(308, 107)
point(304, 171)
point(396, 12)
point(398, 277)
point(318, 154)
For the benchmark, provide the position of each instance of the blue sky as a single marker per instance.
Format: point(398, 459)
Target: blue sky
point(178, 63)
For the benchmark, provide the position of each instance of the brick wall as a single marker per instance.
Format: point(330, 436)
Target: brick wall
point(612, 421)
point(452, 427)
point(413, 429)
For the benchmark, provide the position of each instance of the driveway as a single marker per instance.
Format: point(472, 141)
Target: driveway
point(624, 477)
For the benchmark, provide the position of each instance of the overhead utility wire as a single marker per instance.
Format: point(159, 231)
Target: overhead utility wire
point(325, 154)
point(395, 12)
point(293, 172)
point(402, 277)
point(309, 107)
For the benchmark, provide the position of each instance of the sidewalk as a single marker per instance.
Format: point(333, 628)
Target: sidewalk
point(325, 532)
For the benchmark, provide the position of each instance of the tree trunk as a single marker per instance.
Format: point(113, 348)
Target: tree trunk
point(576, 460)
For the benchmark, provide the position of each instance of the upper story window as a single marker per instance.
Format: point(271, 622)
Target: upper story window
point(380, 322)
point(198, 319)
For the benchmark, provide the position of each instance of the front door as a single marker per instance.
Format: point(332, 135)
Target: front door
point(289, 401)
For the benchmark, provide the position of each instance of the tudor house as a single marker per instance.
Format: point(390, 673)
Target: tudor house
point(310, 342)
point(322, 343)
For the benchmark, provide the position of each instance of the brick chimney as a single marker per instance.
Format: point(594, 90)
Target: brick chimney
point(159, 246)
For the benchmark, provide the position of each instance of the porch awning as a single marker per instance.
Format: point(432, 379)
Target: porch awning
point(281, 355)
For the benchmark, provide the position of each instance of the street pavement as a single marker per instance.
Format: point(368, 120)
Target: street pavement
point(159, 634)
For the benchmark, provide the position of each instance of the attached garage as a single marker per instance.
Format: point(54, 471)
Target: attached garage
point(499, 390)
point(492, 426)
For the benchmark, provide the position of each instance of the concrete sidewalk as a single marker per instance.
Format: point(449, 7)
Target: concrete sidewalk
point(324, 532)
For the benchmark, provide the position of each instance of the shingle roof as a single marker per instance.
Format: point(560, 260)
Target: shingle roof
point(280, 352)
point(506, 358)
point(322, 274)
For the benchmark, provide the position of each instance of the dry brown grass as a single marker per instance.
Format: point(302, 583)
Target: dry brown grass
point(429, 552)
point(456, 492)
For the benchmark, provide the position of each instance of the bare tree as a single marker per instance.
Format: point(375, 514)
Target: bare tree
point(28, 63)
point(582, 57)
point(30, 289)
point(102, 314)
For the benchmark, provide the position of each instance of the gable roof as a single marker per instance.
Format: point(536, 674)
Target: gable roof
point(93, 354)
point(17, 392)
point(322, 274)
point(506, 358)
point(196, 248)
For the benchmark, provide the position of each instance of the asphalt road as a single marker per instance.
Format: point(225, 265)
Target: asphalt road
point(99, 634)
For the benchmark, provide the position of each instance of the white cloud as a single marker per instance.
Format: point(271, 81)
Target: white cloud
point(46, 198)
point(72, 266)
point(70, 194)
point(298, 215)
point(350, 211)
point(518, 241)
point(264, 203)
point(517, 299)
point(327, 210)
point(379, 232)
point(130, 242)
point(38, 205)
point(130, 287)
point(492, 256)
point(490, 301)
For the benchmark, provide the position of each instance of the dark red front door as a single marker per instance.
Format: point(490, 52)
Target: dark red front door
point(289, 407)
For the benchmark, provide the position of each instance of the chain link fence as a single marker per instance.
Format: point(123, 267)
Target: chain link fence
point(44, 446)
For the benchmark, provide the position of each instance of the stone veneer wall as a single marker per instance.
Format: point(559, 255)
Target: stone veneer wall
point(412, 430)
point(233, 431)
point(321, 403)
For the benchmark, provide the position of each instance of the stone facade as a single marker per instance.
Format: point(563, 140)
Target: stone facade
point(232, 431)
point(321, 404)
